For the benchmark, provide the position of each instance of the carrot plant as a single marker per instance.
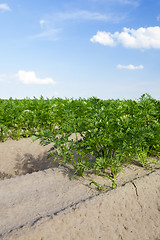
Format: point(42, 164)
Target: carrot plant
point(113, 132)
point(67, 143)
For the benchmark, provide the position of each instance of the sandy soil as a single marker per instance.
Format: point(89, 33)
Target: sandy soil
point(39, 201)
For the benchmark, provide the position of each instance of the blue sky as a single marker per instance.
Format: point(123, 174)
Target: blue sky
point(80, 48)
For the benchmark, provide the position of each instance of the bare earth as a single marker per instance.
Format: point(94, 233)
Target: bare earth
point(38, 201)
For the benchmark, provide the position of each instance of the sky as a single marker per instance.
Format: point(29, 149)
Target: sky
point(108, 49)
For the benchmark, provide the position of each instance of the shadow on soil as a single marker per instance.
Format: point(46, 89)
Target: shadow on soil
point(30, 164)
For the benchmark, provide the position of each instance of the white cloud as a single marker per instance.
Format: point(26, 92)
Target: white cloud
point(134, 3)
point(42, 22)
point(143, 38)
point(130, 67)
point(53, 24)
point(83, 15)
point(4, 7)
point(103, 38)
point(129, 2)
point(31, 78)
point(48, 34)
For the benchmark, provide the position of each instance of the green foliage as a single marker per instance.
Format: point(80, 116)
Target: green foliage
point(113, 132)
point(142, 156)
point(100, 188)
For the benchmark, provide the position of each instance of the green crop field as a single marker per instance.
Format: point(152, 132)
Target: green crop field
point(114, 132)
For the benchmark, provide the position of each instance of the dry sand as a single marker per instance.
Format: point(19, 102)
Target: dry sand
point(39, 201)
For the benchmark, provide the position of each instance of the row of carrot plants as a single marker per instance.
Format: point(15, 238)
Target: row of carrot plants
point(91, 134)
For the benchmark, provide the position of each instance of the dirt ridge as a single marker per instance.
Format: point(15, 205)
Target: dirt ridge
point(135, 186)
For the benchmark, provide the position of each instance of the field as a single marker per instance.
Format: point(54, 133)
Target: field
point(108, 155)
point(107, 133)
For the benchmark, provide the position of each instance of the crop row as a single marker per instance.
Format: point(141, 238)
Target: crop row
point(112, 131)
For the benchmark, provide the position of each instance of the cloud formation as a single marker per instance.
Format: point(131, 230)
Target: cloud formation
point(31, 78)
point(104, 38)
point(143, 38)
point(130, 67)
point(134, 3)
point(4, 7)
point(47, 34)
point(50, 32)
point(42, 22)
point(83, 15)
point(129, 2)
